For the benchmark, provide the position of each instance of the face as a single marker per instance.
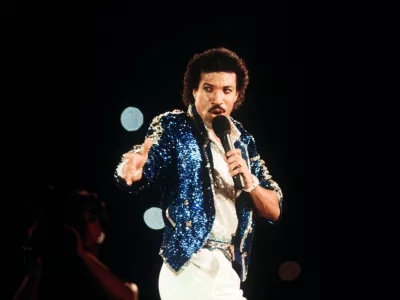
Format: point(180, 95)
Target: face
point(215, 95)
point(95, 234)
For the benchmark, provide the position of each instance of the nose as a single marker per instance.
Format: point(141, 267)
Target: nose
point(218, 98)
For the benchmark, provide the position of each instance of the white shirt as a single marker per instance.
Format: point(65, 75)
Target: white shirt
point(225, 195)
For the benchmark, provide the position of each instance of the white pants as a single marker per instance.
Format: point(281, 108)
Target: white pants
point(209, 276)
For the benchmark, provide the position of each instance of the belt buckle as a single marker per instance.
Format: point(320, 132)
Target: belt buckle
point(225, 247)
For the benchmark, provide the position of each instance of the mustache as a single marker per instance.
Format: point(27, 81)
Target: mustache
point(216, 106)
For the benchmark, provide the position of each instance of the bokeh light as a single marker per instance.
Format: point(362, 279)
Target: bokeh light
point(131, 118)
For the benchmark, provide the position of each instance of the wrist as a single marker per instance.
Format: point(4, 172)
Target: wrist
point(251, 187)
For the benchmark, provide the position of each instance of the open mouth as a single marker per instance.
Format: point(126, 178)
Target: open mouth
point(217, 111)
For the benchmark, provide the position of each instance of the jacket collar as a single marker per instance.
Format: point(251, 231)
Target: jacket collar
point(201, 127)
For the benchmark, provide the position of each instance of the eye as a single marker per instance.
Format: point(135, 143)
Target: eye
point(227, 91)
point(208, 89)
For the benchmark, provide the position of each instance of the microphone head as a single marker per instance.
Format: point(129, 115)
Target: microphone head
point(221, 126)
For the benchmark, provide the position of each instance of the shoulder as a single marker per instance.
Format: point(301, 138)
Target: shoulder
point(167, 117)
point(168, 124)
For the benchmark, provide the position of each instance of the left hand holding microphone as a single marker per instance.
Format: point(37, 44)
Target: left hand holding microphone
point(237, 165)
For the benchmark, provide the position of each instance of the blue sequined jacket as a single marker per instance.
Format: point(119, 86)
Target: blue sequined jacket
point(180, 160)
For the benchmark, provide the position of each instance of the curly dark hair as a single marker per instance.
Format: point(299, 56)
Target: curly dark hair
point(215, 60)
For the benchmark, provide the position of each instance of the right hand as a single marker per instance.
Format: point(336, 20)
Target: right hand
point(133, 168)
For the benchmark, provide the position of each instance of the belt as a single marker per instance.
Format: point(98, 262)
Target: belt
point(225, 247)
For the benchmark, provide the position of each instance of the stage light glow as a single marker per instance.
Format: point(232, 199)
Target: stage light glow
point(289, 271)
point(131, 118)
point(153, 218)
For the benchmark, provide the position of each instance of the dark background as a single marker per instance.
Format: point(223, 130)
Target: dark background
point(79, 68)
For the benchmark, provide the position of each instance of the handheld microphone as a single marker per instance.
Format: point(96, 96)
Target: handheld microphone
point(222, 129)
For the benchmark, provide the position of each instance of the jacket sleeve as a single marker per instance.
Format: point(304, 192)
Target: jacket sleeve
point(259, 169)
point(159, 156)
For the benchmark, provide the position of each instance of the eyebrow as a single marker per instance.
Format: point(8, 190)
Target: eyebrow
point(226, 86)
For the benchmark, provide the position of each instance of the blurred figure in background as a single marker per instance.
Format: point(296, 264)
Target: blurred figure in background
point(33, 268)
point(79, 272)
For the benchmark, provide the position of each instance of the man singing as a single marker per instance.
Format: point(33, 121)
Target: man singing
point(209, 219)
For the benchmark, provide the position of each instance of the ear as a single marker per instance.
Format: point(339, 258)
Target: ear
point(194, 92)
point(236, 99)
point(237, 96)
